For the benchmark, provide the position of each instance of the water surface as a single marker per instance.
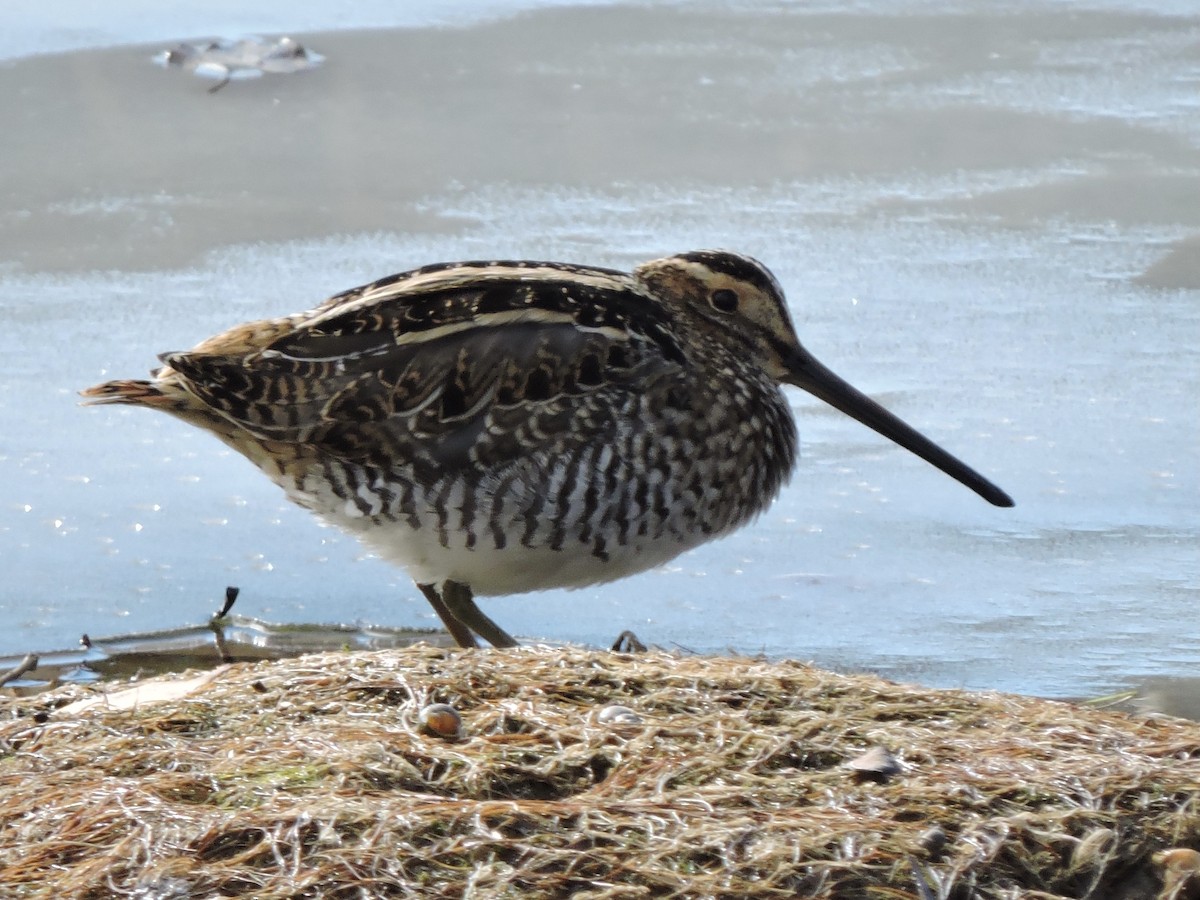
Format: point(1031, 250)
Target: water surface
point(988, 221)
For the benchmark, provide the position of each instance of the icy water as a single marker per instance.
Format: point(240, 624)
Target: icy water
point(988, 221)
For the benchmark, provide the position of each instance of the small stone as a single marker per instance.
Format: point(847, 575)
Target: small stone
point(618, 715)
point(933, 841)
point(877, 764)
point(441, 719)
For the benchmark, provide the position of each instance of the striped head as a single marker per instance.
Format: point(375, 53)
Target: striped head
point(730, 293)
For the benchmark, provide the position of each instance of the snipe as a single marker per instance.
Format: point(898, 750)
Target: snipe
point(498, 427)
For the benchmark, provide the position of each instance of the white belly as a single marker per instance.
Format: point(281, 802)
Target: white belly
point(435, 548)
point(510, 570)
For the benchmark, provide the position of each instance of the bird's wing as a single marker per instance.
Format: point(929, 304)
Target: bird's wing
point(469, 372)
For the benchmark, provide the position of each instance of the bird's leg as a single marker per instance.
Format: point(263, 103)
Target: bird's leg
point(463, 619)
point(460, 632)
point(456, 597)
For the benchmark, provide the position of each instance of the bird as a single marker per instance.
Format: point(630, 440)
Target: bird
point(505, 426)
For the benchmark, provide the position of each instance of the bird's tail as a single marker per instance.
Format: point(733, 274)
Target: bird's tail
point(132, 392)
point(168, 393)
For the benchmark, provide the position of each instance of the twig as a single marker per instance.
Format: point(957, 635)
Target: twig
point(217, 623)
point(231, 595)
point(627, 642)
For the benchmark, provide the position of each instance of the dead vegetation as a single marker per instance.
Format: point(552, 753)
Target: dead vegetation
point(314, 777)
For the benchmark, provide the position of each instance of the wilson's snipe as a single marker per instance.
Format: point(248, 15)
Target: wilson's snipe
point(498, 427)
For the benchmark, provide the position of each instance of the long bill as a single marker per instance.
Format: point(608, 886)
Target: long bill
point(807, 373)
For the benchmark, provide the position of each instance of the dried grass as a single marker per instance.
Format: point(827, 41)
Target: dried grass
point(311, 777)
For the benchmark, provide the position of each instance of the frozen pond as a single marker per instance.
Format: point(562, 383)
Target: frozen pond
point(990, 222)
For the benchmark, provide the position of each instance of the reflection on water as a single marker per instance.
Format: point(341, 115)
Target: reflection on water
point(232, 639)
point(982, 219)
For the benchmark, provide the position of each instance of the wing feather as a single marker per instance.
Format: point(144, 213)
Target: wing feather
point(480, 393)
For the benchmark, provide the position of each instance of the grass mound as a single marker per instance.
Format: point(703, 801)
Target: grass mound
point(314, 777)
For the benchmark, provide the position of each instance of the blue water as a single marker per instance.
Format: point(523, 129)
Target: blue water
point(983, 221)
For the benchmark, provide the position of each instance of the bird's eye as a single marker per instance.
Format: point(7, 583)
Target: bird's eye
point(724, 300)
